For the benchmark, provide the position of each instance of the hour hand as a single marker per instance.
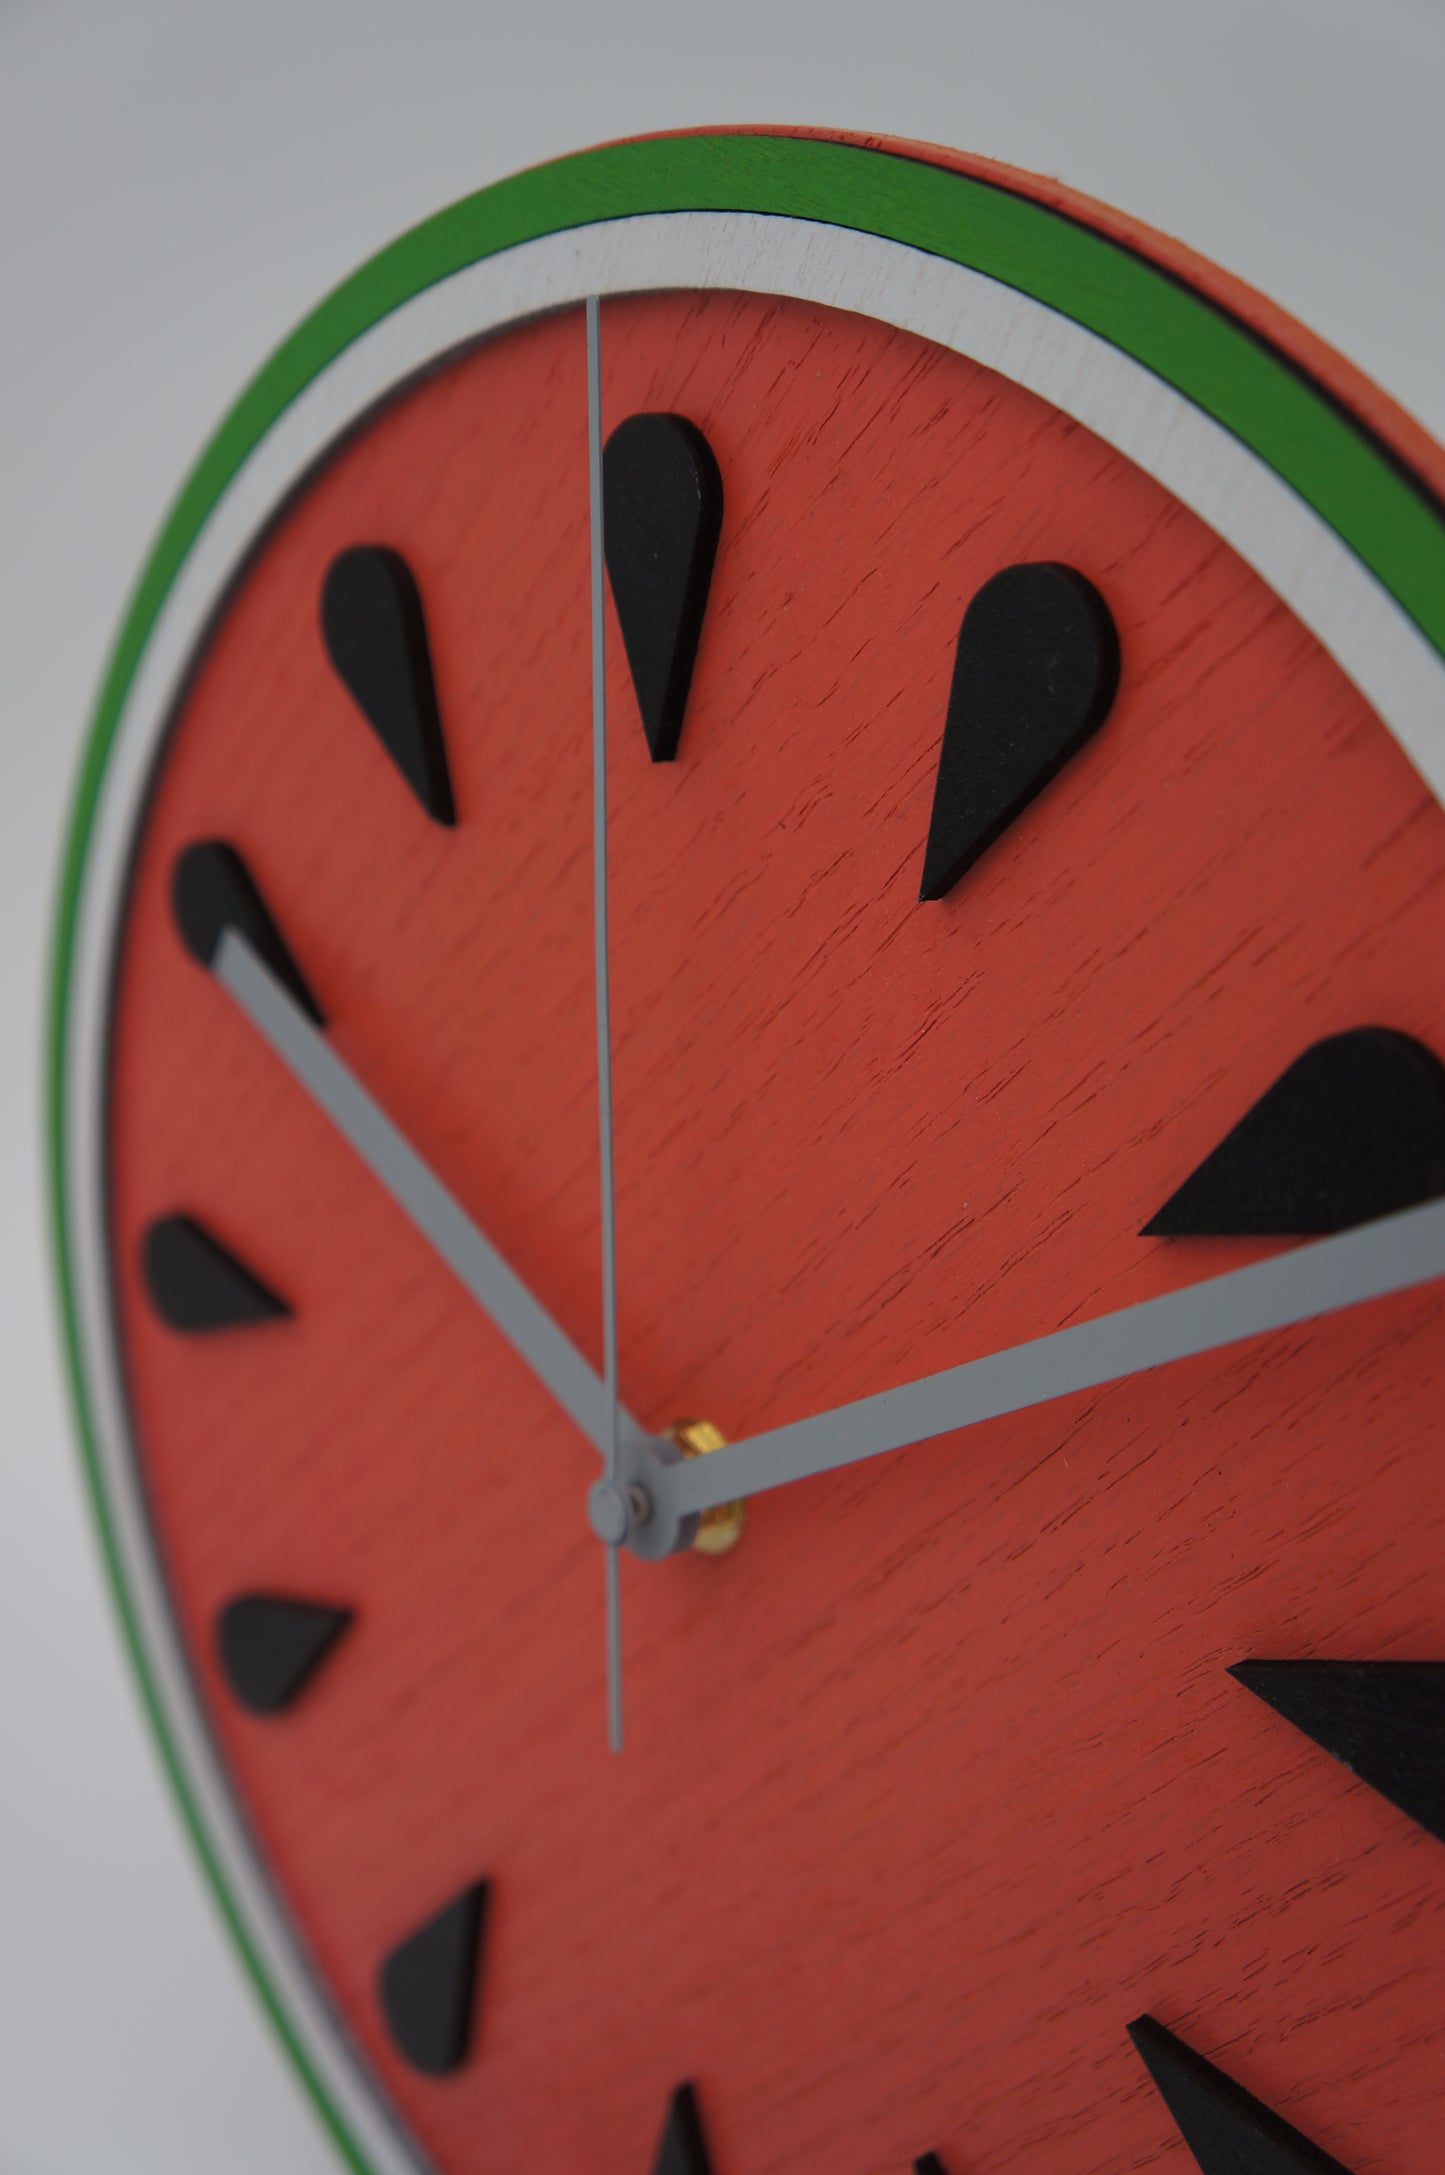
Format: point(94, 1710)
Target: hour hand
point(226, 925)
point(1390, 1255)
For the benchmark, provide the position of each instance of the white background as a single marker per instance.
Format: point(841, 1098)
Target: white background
point(179, 181)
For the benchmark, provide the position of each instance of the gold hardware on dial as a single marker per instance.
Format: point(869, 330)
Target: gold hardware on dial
point(721, 1528)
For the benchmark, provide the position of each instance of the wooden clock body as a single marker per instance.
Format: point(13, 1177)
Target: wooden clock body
point(938, 1781)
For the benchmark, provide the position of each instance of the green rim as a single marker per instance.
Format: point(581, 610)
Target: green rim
point(1330, 460)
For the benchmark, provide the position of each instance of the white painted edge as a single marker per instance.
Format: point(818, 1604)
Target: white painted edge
point(1203, 465)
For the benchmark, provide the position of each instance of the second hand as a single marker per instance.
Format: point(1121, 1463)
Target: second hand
point(604, 1008)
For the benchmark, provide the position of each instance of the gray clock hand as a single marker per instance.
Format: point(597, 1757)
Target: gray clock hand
point(611, 1448)
point(1388, 1256)
point(400, 1171)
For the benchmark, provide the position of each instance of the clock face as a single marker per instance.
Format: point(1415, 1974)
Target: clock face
point(942, 1834)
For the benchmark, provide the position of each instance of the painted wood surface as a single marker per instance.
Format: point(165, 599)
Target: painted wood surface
point(938, 1780)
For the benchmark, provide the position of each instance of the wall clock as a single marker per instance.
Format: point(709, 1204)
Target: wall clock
point(765, 1414)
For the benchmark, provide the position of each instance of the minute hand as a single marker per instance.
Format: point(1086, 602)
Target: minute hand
point(416, 1190)
point(1367, 1263)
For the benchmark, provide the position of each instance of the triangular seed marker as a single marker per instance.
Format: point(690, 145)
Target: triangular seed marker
point(1034, 676)
point(375, 634)
point(428, 1985)
point(682, 2148)
point(196, 1284)
point(1228, 2132)
point(270, 1646)
point(662, 513)
point(1352, 1130)
point(1384, 1720)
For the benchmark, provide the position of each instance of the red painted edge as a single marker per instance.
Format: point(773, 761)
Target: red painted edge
point(1345, 383)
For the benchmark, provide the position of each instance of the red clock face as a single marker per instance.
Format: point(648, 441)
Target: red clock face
point(938, 1779)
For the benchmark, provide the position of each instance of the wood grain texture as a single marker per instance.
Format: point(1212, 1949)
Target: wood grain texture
point(938, 1779)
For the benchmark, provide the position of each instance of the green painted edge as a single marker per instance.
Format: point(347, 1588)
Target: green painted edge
point(1331, 460)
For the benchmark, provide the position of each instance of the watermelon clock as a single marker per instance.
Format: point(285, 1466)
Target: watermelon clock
point(749, 1138)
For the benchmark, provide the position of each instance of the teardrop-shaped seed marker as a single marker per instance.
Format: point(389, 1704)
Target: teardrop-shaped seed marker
point(197, 1285)
point(1034, 675)
point(428, 1985)
point(271, 1645)
point(1352, 1130)
point(1383, 1720)
point(1228, 2132)
point(375, 634)
point(212, 890)
point(662, 503)
point(682, 2148)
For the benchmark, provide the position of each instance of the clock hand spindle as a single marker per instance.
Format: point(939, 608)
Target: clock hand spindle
point(1392, 1254)
point(284, 1026)
point(611, 1446)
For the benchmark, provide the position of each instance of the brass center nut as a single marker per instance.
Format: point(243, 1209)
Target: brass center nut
point(721, 1528)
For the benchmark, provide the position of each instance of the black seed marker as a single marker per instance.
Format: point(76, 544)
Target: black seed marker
point(1034, 676)
point(1228, 2132)
point(375, 633)
point(428, 1985)
point(212, 890)
point(197, 1285)
point(682, 2148)
point(1354, 1129)
point(271, 1645)
point(1384, 1720)
point(662, 506)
